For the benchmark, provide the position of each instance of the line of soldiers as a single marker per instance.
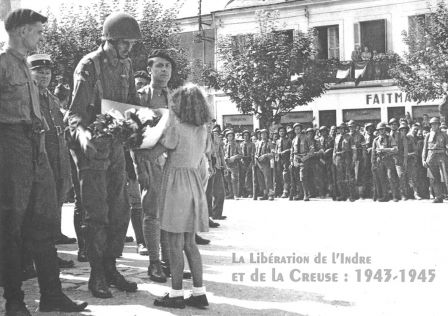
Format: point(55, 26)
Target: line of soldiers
point(346, 162)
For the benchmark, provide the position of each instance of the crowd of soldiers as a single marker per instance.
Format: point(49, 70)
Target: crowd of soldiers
point(394, 161)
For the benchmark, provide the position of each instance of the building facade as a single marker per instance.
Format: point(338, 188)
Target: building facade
point(341, 25)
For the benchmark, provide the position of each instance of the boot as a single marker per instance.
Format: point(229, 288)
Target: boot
point(52, 298)
point(113, 277)
point(97, 281)
point(155, 272)
point(16, 308)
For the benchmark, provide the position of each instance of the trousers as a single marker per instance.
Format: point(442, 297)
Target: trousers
point(216, 194)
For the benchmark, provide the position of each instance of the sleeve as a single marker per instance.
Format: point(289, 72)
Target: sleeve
point(133, 97)
point(373, 157)
point(83, 96)
point(425, 148)
point(170, 137)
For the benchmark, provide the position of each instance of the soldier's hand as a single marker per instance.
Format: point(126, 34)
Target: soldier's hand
point(87, 147)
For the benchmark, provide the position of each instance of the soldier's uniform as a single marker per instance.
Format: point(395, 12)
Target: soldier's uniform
point(344, 155)
point(262, 165)
point(282, 159)
point(215, 189)
point(302, 149)
point(247, 161)
point(370, 188)
point(434, 157)
point(383, 150)
point(361, 157)
point(411, 165)
point(102, 75)
point(326, 144)
point(232, 154)
point(398, 157)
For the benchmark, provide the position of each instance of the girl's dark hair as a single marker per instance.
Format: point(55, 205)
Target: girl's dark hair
point(190, 105)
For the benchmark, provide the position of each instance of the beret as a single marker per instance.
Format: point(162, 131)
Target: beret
point(161, 53)
point(39, 60)
point(22, 17)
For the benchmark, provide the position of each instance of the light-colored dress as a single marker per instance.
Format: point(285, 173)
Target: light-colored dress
point(183, 204)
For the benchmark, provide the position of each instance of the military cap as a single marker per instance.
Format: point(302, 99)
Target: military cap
point(381, 125)
point(216, 129)
point(342, 125)
point(263, 131)
point(229, 131)
point(369, 125)
point(403, 125)
point(323, 128)
point(289, 129)
point(417, 124)
point(39, 60)
point(245, 132)
point(281, 127)
point(309, 129)
point(351, 123)
point(21, 17)
point(142, 74)
point(393, 120)
point(297, 124)
point(434, 120)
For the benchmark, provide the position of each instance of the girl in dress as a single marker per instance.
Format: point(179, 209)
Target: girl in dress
point(183, 204)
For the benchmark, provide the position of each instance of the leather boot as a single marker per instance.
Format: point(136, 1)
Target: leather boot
point(16, 308)
point(52, 298)
point(155, 272)
point(113, 277)
point(97, 281)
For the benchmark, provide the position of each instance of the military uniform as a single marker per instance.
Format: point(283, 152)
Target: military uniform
point(215, 189)
point(282, 159)
point(369, 182)
point(398, 159)
point(411, 165)
point(101, 75)
point(262, 165)
point(344, 156)
point(435, 158)
point(326, 144)
point(247, 161)
point(232, 154)
point(383, 150)
point(361, 157)
point(302, 149)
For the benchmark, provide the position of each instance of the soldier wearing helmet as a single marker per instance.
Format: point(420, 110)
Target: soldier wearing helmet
point(383, 149)
point(247, 161)
point(344, 156)
point(264, 151)
point(409, 161)
point(282, 153)
point(232, 156)
point(434, 157)
point(359, 164)
point(326, 143)
point(302, 149)
point(370, 184)
point(104, 74)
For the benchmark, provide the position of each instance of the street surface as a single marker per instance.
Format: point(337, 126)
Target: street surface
point(404, 241)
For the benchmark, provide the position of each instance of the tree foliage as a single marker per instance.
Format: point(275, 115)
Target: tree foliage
point(423, 71)
point(75, 30)
point(257, 70)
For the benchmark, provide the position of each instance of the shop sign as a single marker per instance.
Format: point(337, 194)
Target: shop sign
point(387, 98)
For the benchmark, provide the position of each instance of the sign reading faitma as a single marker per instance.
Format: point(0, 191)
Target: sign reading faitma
point(387, 98)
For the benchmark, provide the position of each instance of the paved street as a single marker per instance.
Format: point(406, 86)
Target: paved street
point(408, 236)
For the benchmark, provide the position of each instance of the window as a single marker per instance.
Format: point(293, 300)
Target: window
point(327, 42)
point(371, 34)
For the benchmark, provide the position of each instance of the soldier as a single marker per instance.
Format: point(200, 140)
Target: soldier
point(409, 161)
point(282, 158)
point(316, 183)
point(398, 157)
point(263, 154)
point(370, 190)
point(434, 158)
point(359, 164)
point(302, 149)
point(232, 154)
point(344, 156)
point(104, 74)
point(383, 150)
point(55, 145)
point(247, 161)
point(28, 204)
point(326, 144)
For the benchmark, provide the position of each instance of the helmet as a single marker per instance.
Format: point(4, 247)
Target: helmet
point(393, 120)
point(351, 123)
point(309, 129)
point(263, 131)
point(121, 26)
point(434, 120)
point(323, 128)
point(289, 129)
point(297, 124)
point(369, 125)
point(342, 125)
point(443, 125)
point(245, 132)
point(403, 125)
point(381, 125)
point(230, 131)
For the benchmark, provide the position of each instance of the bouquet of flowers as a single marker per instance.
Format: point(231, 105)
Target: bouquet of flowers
point(129, 129)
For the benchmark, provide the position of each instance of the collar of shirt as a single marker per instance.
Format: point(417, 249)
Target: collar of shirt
point(16, 54)
point(164, 90)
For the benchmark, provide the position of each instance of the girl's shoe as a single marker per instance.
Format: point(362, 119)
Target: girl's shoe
point(199, 301)
point(170, 302)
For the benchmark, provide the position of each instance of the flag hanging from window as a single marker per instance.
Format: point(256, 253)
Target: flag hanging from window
point(360, 70)
point(343, 72)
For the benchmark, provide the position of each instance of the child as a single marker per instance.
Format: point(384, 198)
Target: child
point(183, 204)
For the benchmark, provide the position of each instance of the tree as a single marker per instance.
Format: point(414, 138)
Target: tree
point(75, 30)
point(268, 73)
point(422, 72)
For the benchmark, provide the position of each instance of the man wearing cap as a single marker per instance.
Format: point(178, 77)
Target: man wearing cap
point(302, 149)
point(384, 149)
point(359, 164)
point(369, 181)
point(344, 156)
point(28, 203)
point(434, 158)
point(264, 151)
point(326, 144)
point(247, 161)
point(104, 74)
point(55, 144)
point(232, 156)
point(282, 158)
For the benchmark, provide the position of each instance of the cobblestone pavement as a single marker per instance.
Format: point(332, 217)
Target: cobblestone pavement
point(396, 236)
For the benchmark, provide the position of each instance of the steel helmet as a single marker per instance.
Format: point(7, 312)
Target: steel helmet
point(434, 120)
point(351, 123)
point(381, 125)
point(323, 128)
point(403, 125)
point(120, 25)
point(342, 125)
point(297, 124)
point(393, 120)
point(245, 132)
